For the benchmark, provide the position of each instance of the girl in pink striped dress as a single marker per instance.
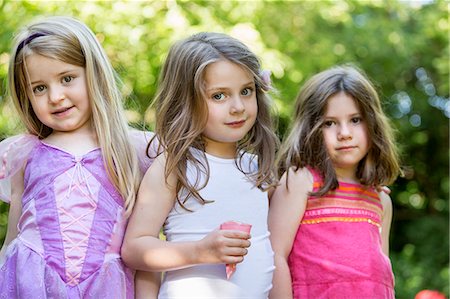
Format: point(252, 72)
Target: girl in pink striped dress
point(329, 225)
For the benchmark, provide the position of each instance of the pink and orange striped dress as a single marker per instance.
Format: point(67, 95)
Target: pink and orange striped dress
point(337, 250)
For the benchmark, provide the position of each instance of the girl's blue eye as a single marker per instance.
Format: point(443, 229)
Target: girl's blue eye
point(247, 91)
point(39, 89)
point(218, 96)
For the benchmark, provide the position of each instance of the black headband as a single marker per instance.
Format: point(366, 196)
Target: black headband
point(28, 40)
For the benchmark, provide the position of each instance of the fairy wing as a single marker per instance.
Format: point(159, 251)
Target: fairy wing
point(14, 153)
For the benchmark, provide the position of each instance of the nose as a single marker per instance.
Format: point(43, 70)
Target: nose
point(55, 94)
point(237, 105)
point(344, 132)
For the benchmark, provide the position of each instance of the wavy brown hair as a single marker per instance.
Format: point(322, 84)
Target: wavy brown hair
point(68, 40)
point(304, 145)
point(182, 111)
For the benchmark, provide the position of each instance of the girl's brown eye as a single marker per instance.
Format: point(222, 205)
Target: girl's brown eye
point(328, 123)
point(356, 120)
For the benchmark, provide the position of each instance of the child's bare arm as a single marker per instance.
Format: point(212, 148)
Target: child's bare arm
point(147, 285)
point(287, 207)
point(143, 250)
point(386, 221)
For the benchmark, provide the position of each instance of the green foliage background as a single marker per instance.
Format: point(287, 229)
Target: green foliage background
point(402, 46)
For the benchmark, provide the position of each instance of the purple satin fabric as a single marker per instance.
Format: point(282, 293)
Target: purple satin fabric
point(68, 247)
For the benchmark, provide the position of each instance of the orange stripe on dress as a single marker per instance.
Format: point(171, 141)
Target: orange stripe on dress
point(341, 212)
point(356, 189)
point(339, 219)
point(353, 189)
point(336, 202)
point(353, 199)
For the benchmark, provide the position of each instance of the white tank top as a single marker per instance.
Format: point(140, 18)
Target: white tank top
point(237, 199)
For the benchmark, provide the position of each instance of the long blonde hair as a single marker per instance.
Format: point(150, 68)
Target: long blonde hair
point(304, 146)
point(70, 41)
point(182, 111)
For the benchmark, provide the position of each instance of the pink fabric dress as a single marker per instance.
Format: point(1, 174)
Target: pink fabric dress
point(71, 227)
point(337, 249)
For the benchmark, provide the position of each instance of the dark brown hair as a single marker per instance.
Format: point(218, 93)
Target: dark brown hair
point(304, 146)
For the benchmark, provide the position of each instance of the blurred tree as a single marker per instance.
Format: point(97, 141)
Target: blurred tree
point(402, 46)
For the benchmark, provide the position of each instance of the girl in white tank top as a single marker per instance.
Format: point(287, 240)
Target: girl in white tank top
point(217, 144)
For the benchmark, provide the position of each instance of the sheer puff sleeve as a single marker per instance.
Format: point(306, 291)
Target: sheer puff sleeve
point(140, 140)
point(14, 152)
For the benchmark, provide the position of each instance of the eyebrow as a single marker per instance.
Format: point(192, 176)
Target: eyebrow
point(349, 115)
point(57, 75)
point(225, 88)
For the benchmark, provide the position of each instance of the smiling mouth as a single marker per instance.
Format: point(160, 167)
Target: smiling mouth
point(236, 123)
point(61, 111)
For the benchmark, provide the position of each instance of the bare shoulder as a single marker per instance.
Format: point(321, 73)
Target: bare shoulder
point(298, 179)
point(287, 208)
point(386, 201)
point(155, 199)
point(385, 198)
point(156, 172)
point(294, 185)
point(301, 173)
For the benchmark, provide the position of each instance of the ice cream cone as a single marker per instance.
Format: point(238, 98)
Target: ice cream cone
point(233, 225)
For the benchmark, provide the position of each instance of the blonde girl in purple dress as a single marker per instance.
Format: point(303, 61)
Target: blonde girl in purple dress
point(329, 226)
point(71, 180)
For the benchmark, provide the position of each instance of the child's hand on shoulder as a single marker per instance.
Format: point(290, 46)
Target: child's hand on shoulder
point(384, 189)
point(224, 247)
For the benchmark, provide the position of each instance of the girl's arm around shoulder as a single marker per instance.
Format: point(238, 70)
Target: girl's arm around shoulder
point(287, 206)
point(386, 220)
point(15, 210)
point(142, 248)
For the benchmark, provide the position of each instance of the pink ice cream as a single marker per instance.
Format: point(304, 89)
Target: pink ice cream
point(233, 225)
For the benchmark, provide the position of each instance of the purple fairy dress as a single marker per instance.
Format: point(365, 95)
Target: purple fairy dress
point(71, 227)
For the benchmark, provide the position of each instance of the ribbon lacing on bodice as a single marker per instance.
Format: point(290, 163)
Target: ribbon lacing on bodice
point(79, 171)
point(75, 248)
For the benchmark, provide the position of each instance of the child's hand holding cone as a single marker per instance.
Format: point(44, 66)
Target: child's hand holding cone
point(232, 225)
